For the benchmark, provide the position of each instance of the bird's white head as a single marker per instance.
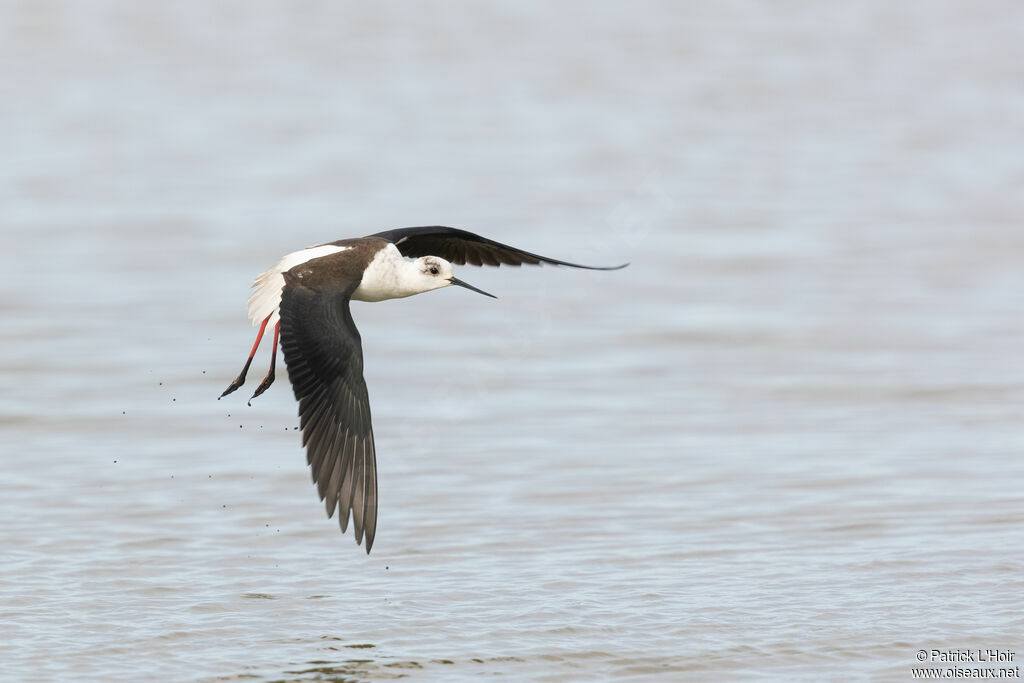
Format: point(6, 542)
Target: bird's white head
point(433, 272)
point(389, 276)
point(430, 272)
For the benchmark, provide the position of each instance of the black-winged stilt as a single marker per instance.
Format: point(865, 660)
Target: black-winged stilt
point(305, 299)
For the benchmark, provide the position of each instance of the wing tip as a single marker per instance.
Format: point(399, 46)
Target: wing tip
point(577, 265)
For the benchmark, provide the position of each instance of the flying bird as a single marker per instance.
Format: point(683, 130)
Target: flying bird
point(305, 299)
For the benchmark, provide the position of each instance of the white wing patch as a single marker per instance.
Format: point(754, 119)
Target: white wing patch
point(266, 295)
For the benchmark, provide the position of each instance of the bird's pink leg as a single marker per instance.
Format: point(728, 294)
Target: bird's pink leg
point(269, 379)
point(240, 380)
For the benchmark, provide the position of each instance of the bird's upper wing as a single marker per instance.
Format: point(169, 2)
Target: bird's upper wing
point(324, 355)
point(462, 247)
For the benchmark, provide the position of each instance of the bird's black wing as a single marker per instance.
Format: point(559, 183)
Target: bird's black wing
point(462, 247)
point(324, 355)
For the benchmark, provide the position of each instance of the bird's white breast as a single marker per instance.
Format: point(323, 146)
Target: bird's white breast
point(266, 295)
point(385, 277)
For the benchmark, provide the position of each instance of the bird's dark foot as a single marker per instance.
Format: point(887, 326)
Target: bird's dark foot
point(239, 381)
point(264, 385)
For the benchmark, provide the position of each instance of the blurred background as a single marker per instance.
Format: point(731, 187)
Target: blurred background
point(784, 443)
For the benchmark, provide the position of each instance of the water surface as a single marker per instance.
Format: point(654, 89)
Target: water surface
point(784, 443)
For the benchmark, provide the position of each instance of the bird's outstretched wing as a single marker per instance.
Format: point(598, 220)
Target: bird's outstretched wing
point(461, 247)
point(324, 355)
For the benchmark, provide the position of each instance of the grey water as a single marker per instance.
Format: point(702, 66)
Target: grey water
point(785, 443)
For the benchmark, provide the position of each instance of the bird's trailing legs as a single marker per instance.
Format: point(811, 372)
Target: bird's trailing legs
point(240, 380)
point(269, 379)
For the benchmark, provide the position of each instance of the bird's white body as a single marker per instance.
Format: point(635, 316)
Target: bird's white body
point(388, 276)
point(266, 295)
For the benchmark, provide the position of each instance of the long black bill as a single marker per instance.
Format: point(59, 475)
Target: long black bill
point(460, 283)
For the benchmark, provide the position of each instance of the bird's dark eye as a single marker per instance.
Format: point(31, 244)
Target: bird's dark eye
point(433, 270)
